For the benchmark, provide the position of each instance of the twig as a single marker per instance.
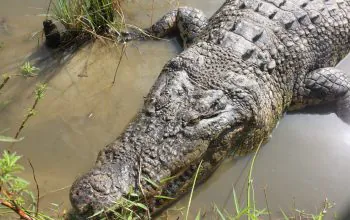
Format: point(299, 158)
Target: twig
point(120, 60)
point(48, 9)
point(37, 189)
point(84, 74)
point(6, 79)
point(267, 204)
point(141, 188)
point(39, 93)
point(30, 114)
point(152, 12)
point(16, 209)
point(54, 191)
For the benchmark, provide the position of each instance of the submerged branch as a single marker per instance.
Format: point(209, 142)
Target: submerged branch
point(120, 60)
point(6, 79)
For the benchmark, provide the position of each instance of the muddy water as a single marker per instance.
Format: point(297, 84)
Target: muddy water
point(306, 160)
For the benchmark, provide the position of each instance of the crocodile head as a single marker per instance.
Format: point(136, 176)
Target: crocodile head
point(180, 125)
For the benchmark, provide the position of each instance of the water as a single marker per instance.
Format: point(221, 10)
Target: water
point(306, 160)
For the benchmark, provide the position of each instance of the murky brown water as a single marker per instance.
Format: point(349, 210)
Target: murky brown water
point(306, 160)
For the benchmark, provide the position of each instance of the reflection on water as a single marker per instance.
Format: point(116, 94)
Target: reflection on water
point(306, 159)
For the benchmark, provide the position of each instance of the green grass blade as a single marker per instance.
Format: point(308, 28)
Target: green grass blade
point(250, 180)
point(96, 214)
point(192, 190)
point(9, 139)
point(243, 212)
point(162, 181)
point(164, 197)
point(284, 215)
point(198, 217)
point(235, 200)
point(151, 182)
point(220, 213)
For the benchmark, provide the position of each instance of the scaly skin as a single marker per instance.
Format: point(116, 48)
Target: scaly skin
point(248, 64)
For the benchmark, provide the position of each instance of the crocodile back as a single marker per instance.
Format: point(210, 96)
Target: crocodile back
point(286, 38)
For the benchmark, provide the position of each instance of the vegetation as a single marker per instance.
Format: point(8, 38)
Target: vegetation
point(15, 196)
point(39, 94)
point(28, 70)
point(249, 210)
point(130, 207)
point(301, 214)
point(95, 18)
point(9, 139)
point(192, 190)
point(14, 193)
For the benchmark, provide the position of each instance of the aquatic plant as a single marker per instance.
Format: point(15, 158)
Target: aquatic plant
point(28, 69)
point(15, 196)
point(14, 190)
point(95, 18)
point(39, 94)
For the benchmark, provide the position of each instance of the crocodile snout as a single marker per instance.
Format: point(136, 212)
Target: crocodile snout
point(101, 187)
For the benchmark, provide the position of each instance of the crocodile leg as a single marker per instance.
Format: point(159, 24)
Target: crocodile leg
point(189, 22)
point(322, 86)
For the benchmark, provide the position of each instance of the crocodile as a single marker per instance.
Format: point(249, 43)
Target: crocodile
point(240, 71)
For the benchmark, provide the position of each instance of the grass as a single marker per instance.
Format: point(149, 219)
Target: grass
point(303, 215)
point(28, 69)
point(192, 190)
point(130, 207)
point(95, 18)
point(249, 210)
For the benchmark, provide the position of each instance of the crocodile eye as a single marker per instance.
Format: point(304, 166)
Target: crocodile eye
point(193, 121)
